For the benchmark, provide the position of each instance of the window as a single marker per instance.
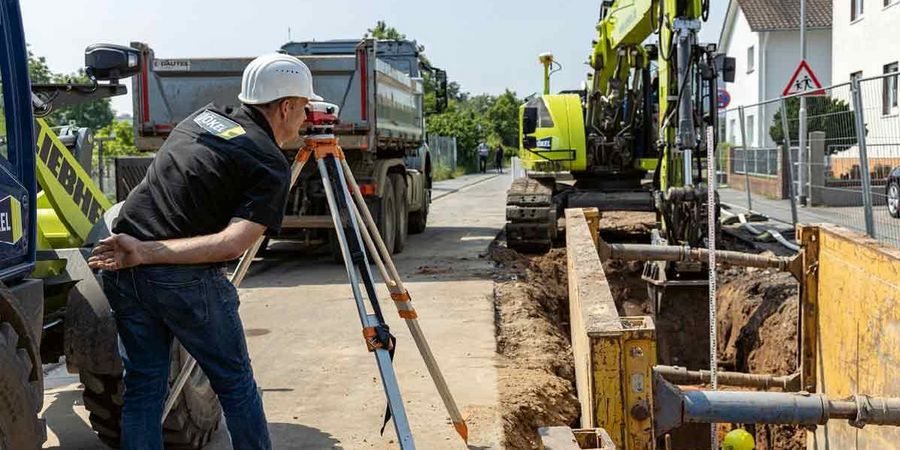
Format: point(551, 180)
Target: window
point(856, 76)
point(544, 118)
point(856, 9)
point(732, 130)
point(889, 90)
point(750, 128)
point(751, 59)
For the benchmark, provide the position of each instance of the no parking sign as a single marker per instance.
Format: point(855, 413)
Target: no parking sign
point(724, 98)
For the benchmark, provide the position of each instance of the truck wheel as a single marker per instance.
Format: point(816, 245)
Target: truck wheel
point(418, 220)
point(402, 208)
point(190, 425)
point(20, 427)
point(388, 217)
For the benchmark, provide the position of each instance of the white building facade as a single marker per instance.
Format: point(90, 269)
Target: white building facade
point(764, 38)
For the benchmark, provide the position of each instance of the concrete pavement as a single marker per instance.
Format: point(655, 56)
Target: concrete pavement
point(320, 386)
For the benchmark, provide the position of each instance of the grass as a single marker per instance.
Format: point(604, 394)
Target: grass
point(442, 173)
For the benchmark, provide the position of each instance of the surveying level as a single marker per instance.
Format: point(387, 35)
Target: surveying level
point(359, 240)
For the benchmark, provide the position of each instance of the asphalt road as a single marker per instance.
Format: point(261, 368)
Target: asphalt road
point(320, 386)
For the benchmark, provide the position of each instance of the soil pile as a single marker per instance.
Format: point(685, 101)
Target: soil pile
point(537, 369)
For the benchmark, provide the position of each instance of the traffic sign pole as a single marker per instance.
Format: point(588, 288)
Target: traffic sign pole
point(801, 153)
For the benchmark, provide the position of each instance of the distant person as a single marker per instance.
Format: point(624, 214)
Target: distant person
point(483, 151)
point(498, 159)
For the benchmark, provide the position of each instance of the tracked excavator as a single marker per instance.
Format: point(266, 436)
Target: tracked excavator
point(629, 140)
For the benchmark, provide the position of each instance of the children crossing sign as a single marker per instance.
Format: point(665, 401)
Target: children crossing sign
point(803, 82)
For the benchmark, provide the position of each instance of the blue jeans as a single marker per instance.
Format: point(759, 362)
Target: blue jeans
point(198, 306)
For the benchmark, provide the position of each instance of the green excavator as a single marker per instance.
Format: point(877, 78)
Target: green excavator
point(634, 138)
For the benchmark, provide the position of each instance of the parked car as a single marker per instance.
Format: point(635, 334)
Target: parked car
point(892, 192)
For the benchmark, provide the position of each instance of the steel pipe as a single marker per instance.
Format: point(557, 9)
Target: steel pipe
point(675, 407)
point(650, 252)
point(681, 375)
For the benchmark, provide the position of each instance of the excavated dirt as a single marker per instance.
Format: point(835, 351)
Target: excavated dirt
point(536, 375)
point(757, 330)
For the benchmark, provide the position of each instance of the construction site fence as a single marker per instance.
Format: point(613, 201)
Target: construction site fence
point(443, 151)
point(833, 167)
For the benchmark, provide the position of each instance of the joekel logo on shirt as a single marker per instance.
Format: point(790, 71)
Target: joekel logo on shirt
point(219, 125)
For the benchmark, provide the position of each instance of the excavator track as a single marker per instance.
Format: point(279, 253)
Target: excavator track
point(530, 216)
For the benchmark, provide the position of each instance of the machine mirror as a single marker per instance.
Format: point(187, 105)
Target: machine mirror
point(529, 120)
point(109, 62)
point(726, 66)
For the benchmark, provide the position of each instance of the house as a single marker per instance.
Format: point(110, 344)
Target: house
point(764, 38)
point(868, 39)
point(867, 50)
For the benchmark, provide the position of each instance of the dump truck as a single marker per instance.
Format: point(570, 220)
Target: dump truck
point(378, 86)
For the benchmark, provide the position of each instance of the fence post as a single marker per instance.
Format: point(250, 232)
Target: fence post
point(863, 155)
point(746, 152)
point(790, 160)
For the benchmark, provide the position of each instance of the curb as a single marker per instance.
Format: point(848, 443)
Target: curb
point(444, 194)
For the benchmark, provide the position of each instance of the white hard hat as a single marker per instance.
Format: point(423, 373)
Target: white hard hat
point(273, 76)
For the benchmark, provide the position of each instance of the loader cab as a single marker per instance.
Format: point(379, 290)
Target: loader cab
point(17, 169)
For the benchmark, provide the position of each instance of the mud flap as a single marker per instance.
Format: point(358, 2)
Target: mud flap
point(91, 340)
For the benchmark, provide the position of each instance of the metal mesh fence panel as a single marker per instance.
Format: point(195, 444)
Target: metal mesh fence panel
point(823, 175)
point(834, 162)
point(875, 157)
point(443, 151)
point(753, 160)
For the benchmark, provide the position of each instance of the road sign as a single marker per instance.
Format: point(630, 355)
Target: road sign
point(803, 82)
point(724, 98)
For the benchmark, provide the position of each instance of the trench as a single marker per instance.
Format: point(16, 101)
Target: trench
point(757, 312)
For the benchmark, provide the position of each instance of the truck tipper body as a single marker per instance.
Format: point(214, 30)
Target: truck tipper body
point(380, 92)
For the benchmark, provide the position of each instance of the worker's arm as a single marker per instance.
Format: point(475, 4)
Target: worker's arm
point(121, 251)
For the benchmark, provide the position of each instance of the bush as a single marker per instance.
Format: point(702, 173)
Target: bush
point(442, 173)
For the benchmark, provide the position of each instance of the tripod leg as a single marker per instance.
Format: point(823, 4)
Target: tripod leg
point(356, 264)
point(406, 310)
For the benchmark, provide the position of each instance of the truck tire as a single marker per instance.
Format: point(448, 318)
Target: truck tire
point(387, 217)
point(20, 427)
point(402, 208)
point(418, 220)
point(190, 425)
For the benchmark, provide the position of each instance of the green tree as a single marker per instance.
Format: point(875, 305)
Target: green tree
point(38, 70)
point(503, 115)
point(828, 114)
point(383, 31)
point(123, 143)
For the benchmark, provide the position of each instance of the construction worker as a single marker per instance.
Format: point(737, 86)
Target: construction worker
point(218, 182)
point(738, 439)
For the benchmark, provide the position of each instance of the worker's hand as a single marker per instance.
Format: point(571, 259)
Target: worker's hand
point(118, 251)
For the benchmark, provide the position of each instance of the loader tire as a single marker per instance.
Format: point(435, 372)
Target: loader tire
point(190, 425)
point(20, 427)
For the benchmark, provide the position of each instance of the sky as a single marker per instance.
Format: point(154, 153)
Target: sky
point(485, 45)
